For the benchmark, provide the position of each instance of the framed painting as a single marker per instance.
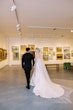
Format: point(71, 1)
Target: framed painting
point(45, 53)
point(50, 49)
point(66, 55)
point(4, 54)
point(15, 48)
point(45, 49)
point(45, 57)
point(23, 47)
point(58, 49)
point(71, 53)
point(66, 49)
point(1, 54)
point(15, 55)
point(31, 46)
point(59, 56)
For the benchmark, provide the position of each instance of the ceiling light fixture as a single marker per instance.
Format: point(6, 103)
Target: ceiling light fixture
point(18, 27)
point(13, 7)
point(46, 27)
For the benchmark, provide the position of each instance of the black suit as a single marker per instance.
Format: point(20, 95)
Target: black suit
point(27, 63)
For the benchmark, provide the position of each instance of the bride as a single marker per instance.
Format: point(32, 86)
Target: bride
point(43, 86)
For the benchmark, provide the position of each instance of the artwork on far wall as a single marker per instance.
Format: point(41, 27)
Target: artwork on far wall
point(66, 49)
point(59, 56)
point(51, 53)
point(66, 55)
point(66, 52)
point(1, 54)
point(31, 46)
point(32, 49)
point(58, 49)
point(45, 53)
point(71, 53)
point(4, 54)
point(23, 49)
point(15, 50)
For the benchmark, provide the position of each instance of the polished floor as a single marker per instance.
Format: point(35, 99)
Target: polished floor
point(15, 96)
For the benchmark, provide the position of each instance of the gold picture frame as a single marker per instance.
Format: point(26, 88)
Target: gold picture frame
point(1, 54)
point(4, 54)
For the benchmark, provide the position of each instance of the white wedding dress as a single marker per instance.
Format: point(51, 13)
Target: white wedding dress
point(43, 86)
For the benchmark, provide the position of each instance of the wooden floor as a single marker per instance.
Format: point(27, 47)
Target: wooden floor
point(15, 96)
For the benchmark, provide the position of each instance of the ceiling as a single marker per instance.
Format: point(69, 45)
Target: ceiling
point(37, 17)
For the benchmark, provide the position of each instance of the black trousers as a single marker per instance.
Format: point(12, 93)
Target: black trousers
point(27, 73)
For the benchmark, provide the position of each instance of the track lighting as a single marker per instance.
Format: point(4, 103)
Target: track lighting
point(13, 7)
point(18, 26)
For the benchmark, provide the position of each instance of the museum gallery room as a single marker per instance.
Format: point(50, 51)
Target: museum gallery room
point(48, 26)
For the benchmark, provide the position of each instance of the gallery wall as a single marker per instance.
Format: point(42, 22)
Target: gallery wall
point(3, 45)
point(40, 42)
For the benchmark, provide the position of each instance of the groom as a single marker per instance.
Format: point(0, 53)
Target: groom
point(27, 63)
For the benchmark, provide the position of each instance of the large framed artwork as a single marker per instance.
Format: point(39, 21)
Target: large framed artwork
point(15, 50)
point(4, 54)
point(1, 54)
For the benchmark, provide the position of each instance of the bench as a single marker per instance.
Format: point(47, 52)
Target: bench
point(53, 66)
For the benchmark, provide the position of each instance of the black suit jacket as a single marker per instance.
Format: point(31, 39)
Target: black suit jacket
point(27, 61)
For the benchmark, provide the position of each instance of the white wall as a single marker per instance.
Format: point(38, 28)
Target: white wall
point(3, 44)
point(39, 42)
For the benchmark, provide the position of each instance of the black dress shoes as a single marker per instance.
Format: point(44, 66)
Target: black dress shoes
point(28, 87)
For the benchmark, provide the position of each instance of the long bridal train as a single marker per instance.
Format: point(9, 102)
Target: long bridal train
point(43, 86)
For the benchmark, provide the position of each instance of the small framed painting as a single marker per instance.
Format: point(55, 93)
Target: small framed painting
point(15, 48)
point(15, 55)
point(58, 49)
point(66, 55)
point(66, 49)
point(59, 56)
point(31, 46)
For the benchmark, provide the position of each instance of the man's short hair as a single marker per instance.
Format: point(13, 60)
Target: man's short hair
point(27, 49)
